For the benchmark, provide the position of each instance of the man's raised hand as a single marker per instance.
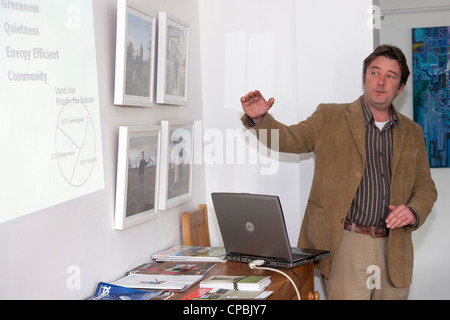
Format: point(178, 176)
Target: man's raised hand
point(255, 106)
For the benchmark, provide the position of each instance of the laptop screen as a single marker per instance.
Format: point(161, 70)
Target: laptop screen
point(252, 224)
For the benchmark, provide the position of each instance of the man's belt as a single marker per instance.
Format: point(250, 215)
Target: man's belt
point(374, 232)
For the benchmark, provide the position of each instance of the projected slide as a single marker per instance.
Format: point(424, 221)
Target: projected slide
point(50, 134)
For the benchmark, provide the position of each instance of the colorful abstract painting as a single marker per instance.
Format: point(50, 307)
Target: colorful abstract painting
point(431, 62)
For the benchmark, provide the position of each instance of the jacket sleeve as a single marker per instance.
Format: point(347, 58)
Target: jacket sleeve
point(424, 192)
point(297, 138)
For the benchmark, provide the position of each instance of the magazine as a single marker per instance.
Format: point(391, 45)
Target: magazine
point(174, 283)
point(174, 268)
point(189, 253)
point(107, 291)
point(169, 275)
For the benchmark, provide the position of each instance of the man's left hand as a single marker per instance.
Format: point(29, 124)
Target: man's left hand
point(399, 217)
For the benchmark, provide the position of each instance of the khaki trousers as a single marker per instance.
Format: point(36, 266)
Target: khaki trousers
point(360, 271)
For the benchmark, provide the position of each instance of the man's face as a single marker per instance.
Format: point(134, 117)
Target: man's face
point(382, 83)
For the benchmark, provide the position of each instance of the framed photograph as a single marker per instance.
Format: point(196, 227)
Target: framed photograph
point(135, 55)
point(173, 57)
point(176, 163)
point(137, 175)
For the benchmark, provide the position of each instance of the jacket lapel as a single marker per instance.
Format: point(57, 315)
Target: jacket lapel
point(356, 122)
point(399, 135)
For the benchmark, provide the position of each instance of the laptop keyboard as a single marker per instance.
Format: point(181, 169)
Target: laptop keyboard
point(297, 256)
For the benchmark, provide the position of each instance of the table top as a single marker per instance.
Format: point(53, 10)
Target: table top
point(280, 285)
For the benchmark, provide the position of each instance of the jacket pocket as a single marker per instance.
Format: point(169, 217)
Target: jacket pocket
point(315, 204)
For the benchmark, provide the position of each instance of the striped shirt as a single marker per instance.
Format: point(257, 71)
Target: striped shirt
point(370, 205)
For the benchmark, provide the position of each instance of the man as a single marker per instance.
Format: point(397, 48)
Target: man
point(142, 165)
point(372, 184)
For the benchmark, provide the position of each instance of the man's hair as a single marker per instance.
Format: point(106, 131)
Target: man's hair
point(390, 52)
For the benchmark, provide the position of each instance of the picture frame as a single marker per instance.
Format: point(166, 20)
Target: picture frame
point(177, 160)
point(138, 166)
point(135, 55)
point(173, 60)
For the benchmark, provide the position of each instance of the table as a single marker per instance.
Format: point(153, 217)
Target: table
point(280, 285)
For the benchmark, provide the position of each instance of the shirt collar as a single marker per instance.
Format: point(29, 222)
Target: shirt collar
point(368, 116)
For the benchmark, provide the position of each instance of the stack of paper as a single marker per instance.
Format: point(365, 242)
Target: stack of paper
point(253, 283)
point(225, 294)
point(244, 283)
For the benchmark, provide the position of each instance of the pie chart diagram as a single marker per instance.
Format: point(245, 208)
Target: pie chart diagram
point(75, 143)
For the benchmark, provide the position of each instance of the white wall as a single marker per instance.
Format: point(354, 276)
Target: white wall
point(300, 52)
point(37, 250)
point(432, 257)
point(248, 45)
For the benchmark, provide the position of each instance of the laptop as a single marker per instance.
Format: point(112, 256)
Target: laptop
point(253, 228)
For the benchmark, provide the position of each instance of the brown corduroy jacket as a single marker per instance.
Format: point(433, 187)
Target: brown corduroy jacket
point(336, 135)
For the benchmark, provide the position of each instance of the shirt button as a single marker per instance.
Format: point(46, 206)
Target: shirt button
point(358, 175)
